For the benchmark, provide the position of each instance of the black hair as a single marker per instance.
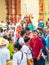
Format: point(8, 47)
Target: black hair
point(1, 30)
point(27, 28)
point(40, 33)
point(9, 38)
point(35, 31)
point(22, 32)
point(17, 45)
point(26, 39)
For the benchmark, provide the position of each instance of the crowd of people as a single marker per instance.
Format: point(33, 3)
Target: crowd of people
point(27, 45)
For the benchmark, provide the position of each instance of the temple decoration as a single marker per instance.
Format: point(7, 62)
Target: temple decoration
point(13, 8)
point(41, 9)
point(46, 9)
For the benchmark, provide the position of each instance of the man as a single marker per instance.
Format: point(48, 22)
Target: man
point(36, 46)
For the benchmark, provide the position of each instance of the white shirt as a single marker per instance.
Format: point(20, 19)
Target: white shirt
point(17, 58)
point(21, 41)
point(26, 50)
point(4, 55)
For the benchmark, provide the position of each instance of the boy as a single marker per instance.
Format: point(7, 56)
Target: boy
point(36, 45)
point(19, 58)
point(27, 51)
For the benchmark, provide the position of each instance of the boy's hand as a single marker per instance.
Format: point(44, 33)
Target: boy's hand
point(38, 58)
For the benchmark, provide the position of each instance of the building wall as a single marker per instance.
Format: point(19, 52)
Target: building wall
point(46, 9)
point(2, 10)
point(30, 6)
point(41, 9)
point(27, 6)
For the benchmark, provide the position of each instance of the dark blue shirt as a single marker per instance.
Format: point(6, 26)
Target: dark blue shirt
point(44, 43)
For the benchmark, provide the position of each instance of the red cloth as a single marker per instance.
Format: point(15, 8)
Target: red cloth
point(17, 34)
point(36, 45)
point(31, 35)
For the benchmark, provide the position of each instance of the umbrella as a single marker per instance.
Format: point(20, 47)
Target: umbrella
point(3, 41)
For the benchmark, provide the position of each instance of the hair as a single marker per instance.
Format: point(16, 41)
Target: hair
point(26, 39)
point(22, 32)
point(40, 33)
point(1, 30)
point(17, 45)
point(27, 28)
point(35, 31)
point(9, 38)
point(40, 29)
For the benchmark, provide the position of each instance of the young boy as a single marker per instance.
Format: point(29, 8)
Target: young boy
point(27, 51)
point(19, 58)
point(36, 45)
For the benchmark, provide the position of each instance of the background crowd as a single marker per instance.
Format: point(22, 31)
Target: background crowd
point(26, 42)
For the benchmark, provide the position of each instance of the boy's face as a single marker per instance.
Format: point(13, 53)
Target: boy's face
point(15, 49)
point(27, 32)
point(35, 34)
point(27, 42)
point(24, 35)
